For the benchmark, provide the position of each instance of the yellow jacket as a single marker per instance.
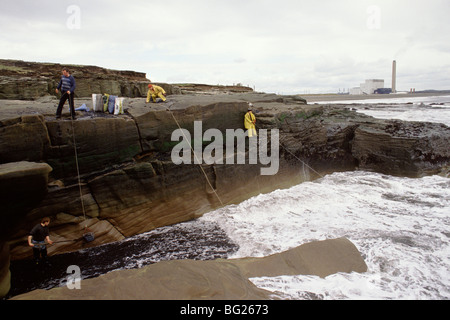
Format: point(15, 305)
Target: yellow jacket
point(249, 120)
point(155, 91)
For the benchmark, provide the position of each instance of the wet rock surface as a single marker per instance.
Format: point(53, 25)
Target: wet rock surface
point(190, 240)
point(221, 279)
point(130, 184)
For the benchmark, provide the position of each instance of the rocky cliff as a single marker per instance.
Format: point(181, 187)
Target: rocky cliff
point(129, 183)
point(23, 80)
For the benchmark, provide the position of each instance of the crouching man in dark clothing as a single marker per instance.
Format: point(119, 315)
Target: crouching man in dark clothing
point(37, 240)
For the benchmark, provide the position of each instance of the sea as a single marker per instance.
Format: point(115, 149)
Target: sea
point(401, 226)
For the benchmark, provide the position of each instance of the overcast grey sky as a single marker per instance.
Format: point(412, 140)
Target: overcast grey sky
point(283, 46)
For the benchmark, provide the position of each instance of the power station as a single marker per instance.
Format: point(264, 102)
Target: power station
point(376, 86)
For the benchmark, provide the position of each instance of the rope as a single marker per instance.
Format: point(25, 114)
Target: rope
point(198, 161)
point(303, 162)
point(76, 162)
point(204, 173)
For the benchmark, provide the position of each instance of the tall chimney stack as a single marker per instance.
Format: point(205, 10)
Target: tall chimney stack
point(394, 76)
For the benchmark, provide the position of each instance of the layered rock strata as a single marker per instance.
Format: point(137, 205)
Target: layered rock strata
point(23, 185)
point(24, 80)
point(130, 185)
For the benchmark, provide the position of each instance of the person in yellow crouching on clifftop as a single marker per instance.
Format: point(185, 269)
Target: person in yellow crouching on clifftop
point(155, 92)
point(250, 121)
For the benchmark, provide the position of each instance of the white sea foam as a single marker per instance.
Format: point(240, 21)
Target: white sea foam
point(429, 109)
point(427, 113)
point(393, 100)
point(401, 226)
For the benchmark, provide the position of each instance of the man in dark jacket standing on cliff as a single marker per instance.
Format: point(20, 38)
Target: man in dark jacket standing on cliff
point(67, 86)
point(37, 239)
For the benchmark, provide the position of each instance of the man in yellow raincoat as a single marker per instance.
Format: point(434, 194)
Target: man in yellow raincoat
point(155, 92)
point(250, 121)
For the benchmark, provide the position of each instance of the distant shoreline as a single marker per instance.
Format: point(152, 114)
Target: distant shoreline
point(311, 98)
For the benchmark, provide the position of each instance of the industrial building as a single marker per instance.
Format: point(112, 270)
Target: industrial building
point(368, 87)
point(372, 86)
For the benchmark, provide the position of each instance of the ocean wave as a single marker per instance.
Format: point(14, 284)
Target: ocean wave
point(400, 226)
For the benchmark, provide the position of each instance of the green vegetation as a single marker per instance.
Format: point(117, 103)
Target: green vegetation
point(305, 115)
point(13, 69)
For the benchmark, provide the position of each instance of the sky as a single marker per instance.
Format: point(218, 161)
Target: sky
point(283, 46)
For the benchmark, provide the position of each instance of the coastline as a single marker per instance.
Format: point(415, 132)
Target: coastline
point(317, 98)
point(322, 132)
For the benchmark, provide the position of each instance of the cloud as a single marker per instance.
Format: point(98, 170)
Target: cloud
point(283, 46)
